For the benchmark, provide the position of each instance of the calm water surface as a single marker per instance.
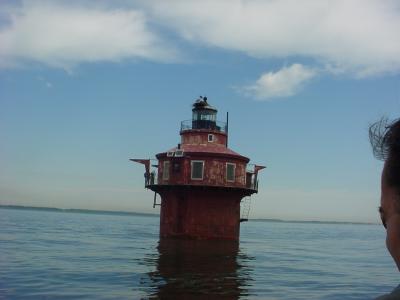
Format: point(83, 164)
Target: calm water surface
point(60, 255)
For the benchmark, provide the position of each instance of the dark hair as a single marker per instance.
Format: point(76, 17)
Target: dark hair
point(385, 141)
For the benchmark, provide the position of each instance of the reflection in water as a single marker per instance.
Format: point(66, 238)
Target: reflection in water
point(191, 269)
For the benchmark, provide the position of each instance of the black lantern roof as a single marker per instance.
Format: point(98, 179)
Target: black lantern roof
point(202, 104)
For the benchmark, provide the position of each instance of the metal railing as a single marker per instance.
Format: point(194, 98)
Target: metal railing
point(204, 124)
point(250, 168)
point(252, 184)
point(251, 178)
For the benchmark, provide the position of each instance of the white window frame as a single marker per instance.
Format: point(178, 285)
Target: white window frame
point(179, 153)
point(234, 172)
point(191, 169)
point(210, 138)
point(166, 168)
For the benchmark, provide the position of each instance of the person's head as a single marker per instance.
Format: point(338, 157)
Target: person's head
point(385, 141)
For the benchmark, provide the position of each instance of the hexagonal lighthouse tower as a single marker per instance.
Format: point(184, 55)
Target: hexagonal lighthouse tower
point(201, 182)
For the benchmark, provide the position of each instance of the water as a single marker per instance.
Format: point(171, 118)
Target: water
point(60, 255)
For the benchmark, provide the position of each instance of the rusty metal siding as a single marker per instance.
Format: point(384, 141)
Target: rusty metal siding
point(160, 171)
point(194, 137)
point(200, 215)
point(214, 172)
point(177, 172)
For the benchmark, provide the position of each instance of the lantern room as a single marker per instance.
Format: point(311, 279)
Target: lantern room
point(204, 116)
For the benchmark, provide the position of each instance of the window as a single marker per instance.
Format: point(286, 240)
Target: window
point(166, 170)
point(170, 153)
point(211, 138)
point(197, 169)
point(230, 172)
point(179, 153)
point(204, 115)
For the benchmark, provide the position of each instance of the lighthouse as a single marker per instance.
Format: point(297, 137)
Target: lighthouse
point(200, 182)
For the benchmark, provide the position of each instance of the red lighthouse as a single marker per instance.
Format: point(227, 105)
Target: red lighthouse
point(201, 181)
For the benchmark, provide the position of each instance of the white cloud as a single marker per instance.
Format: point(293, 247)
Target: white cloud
point(359, 37)
point(356, 37)
point(62, 35)
point(283, 83)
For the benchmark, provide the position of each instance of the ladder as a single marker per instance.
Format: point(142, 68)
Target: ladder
point(245, 209)
point(155, 200)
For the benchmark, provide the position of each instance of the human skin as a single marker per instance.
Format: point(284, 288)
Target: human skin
point(389, 210)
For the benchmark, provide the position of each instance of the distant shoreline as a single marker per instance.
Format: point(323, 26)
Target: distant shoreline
point(127, 213)
point(313, 222)
point(75, 210)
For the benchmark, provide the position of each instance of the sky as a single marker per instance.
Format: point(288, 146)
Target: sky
point(86, 85)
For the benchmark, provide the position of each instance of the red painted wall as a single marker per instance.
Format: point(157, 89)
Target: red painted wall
point(200, 214)
point(214, 171)
point(198, 137)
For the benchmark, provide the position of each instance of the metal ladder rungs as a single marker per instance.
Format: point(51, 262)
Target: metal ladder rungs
point(245, 211)
point(155, 200)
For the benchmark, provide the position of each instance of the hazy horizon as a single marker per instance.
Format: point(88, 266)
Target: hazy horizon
point(83, 210)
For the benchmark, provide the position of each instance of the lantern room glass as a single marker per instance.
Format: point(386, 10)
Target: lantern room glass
point(204, 119)
point(205, 115)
